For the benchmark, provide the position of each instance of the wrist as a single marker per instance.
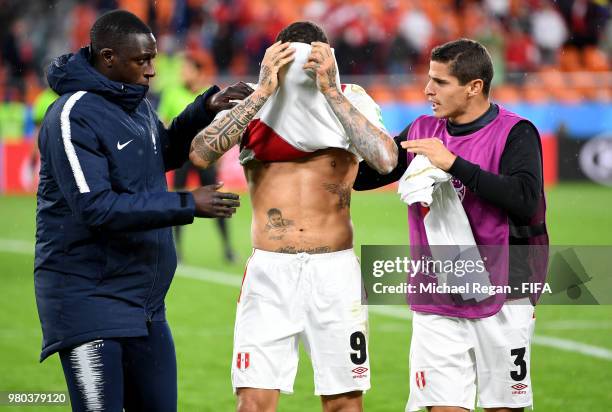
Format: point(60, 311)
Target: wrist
point(331, 91)
point(207, 104)
point(450, 162)
point(261, 93)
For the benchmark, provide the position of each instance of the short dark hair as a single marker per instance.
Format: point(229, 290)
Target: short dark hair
point(302, 32)
point(112, 28)
point(274, 211)
point(469, 60)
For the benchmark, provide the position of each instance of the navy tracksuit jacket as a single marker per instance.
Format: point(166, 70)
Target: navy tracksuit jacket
point(105, 256)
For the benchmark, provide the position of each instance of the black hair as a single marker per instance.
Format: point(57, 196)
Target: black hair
point(274, 211)
point(302, 32)
point(111, 29)
point(469, 60)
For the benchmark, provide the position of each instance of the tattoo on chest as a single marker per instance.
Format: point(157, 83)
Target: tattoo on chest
point(314, 250)
point(343, 191)
point(277, 226)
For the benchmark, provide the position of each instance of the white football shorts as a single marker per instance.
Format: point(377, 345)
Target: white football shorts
point(451, 359)
point(315, 298)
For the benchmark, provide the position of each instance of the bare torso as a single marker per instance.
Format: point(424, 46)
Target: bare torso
point(303, 206)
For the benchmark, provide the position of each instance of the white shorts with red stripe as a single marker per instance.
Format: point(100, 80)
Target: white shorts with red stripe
point(451, 359)
point(315, 298)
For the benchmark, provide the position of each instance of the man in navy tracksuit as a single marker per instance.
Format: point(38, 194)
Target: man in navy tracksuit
point(104, 250)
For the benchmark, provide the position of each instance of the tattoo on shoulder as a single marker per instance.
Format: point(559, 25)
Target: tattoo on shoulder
point(314, 250)
point(343, 191)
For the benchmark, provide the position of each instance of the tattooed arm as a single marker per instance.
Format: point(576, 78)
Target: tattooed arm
point(376, 147)
point(224, 132)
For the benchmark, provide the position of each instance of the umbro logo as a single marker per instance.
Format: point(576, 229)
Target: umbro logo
point(120, 146)
point(359, 372)
point(519, 389)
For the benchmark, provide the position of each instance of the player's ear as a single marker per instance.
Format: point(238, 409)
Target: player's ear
point(475, 87)
point(108, 56)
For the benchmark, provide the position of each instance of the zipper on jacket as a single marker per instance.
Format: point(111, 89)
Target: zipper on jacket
point(153, 155)
point(148, 313)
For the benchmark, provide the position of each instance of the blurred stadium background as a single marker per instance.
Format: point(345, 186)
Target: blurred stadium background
point(553, 65)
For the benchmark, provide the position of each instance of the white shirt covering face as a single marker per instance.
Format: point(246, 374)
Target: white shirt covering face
point(299, 113)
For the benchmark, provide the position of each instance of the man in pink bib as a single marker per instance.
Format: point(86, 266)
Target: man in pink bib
point(495, 159)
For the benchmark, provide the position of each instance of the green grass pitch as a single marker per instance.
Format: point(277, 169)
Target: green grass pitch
point(201, 313)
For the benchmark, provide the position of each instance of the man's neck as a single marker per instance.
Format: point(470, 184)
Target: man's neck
point(475, 125)
point(474, 111)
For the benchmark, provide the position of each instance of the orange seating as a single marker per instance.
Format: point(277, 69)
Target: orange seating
point(584, 83)
point(380, 93)
point(595, 60)
point(506, 94)
point(534, 93)
point(138, 7)
point(570, 59)
point(566, 94)
point(410, 93)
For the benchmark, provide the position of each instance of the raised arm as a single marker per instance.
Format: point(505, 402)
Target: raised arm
point(375, 146)
point(226, 130)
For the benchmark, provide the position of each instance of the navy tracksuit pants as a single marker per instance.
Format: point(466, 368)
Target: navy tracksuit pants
point(135, 374)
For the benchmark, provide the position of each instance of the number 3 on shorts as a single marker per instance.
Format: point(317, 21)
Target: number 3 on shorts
point(358, 343)
point(520, 362)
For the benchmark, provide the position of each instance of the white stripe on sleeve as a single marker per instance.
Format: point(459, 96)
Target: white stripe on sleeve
point(68, 147)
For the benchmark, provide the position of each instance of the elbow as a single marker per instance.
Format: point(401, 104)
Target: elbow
point(526, 208)
point(388, 162)
point(529, 209)
point(385, 169)
point(92, 215)
point(529, 203)
point(198, 161)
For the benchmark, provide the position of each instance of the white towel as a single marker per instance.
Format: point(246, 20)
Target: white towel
point(446, 222)
point(420, 180)
point(299, 114)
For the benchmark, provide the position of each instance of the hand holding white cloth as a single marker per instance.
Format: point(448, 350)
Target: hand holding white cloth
point(446, 223)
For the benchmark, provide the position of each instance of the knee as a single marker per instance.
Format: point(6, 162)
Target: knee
point(347, 402)
point(248, 404)
point(343, 408)
point(255, 402)
point(251, 404)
